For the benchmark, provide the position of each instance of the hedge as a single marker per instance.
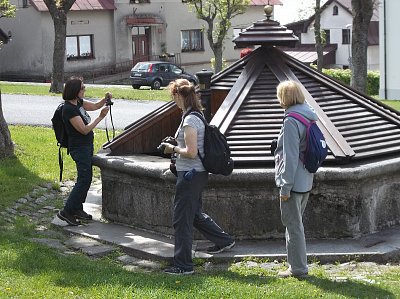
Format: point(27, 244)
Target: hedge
point(345, 75)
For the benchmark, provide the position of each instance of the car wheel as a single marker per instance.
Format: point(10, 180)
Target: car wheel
point(156, 84)
point(135, 86)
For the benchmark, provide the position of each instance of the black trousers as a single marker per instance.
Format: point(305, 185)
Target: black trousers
point(188, 214)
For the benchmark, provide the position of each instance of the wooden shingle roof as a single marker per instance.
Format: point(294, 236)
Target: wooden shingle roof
point(245, 108)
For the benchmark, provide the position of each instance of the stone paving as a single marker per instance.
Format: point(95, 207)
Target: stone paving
point(40, 206)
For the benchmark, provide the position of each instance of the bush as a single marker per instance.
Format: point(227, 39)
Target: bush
point(345, 75)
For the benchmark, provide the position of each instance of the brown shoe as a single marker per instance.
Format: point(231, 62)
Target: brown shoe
point(287, 273)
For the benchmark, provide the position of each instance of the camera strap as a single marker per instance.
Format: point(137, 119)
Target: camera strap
point(112, 124)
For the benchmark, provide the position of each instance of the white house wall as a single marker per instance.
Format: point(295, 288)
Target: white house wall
point(390, 49)
point(31, 50)
point(27, 51)
point(335, 24)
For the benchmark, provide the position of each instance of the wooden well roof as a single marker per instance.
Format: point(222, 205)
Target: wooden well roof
point(245, 108)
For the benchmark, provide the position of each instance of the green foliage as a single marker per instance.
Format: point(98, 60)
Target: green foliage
point(7, 10)
point(224, 63)
point(344, 76)
point(218, 15)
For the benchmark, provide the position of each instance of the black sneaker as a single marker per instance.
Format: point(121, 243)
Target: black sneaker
point(218, 249)
point(70, 219)
point(81, 214)
point(178, 271)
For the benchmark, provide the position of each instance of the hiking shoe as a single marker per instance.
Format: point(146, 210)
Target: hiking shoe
point(81, 214)
point(287, 273)
point(178, 271)
point(70, 219)
point(218, 249)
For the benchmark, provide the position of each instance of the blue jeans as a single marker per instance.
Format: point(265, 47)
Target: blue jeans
point(82, 156)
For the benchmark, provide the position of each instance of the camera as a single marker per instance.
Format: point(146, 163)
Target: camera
point(108, 101)
point(170, 140)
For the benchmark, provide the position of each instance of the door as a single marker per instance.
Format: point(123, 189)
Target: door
point(140, 48)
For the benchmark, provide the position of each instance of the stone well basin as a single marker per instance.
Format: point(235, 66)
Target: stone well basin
point(346, 201)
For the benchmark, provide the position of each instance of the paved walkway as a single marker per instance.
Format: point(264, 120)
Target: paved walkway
point(380, 247)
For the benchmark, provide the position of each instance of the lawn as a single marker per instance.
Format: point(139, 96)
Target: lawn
point(124, 92)
point(31, 270)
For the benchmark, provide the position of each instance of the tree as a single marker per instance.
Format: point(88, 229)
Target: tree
point(319, 40)
point(362, 11)
point(58, 11)
point(218, 15)
point(6, 145)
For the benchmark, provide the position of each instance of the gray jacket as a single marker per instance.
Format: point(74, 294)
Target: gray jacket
point(290, 173)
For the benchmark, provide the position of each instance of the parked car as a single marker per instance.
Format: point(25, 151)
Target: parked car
point(157, 74)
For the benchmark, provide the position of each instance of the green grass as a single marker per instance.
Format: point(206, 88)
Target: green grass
point(91, 91)
point(31, 270)
point(36, 161)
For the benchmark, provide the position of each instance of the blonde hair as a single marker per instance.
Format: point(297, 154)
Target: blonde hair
point(289, 93)
point(187, 90)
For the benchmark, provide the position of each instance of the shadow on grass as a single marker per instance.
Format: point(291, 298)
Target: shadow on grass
point(78, 271)
point(15, 181)
point(349, 288)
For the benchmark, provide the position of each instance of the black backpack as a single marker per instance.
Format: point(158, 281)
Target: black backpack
point(217, 155)
point(61, 135)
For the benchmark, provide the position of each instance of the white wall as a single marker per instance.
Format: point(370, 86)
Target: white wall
point(389, 50)
point(334, 23)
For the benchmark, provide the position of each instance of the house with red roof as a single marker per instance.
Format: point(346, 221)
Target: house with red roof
point(106, 34)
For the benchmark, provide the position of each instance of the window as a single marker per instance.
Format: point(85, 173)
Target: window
point(79, 47)
point(345, 36)
point(327, 37)
point(192, 40)
point(335, 10)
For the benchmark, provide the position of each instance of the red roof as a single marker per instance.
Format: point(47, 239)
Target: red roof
point(79, 5)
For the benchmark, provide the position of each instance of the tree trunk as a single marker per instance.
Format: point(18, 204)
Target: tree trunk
point(60, 30)
point(218, 58)
point(362, 13)
point(6, 144)
point(318, 34)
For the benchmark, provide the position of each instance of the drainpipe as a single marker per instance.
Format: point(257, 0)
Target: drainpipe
point(384, 45)
point(205, 91)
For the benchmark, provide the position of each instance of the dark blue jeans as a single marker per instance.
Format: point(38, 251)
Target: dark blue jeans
point(188, 214)
point(82, 156)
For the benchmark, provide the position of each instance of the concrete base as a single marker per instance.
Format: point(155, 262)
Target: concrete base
point(347, 201)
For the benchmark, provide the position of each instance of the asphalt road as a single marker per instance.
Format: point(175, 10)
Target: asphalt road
point(38, 110)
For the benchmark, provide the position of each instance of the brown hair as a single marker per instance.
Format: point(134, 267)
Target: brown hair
point(72, 88)
point(187, 90)
point(289, 93)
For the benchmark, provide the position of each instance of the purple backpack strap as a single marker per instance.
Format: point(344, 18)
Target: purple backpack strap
point(300, 118)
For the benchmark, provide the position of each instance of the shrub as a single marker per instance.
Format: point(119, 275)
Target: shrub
point(344, 76)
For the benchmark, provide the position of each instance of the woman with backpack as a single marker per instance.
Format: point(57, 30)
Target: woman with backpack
point(191, 181)
point(292, 178)
point(79, 127)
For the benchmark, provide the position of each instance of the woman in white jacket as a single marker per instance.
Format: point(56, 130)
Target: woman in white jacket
point(293, 179)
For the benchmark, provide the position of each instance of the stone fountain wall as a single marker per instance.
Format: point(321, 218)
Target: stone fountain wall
point(347, 201)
